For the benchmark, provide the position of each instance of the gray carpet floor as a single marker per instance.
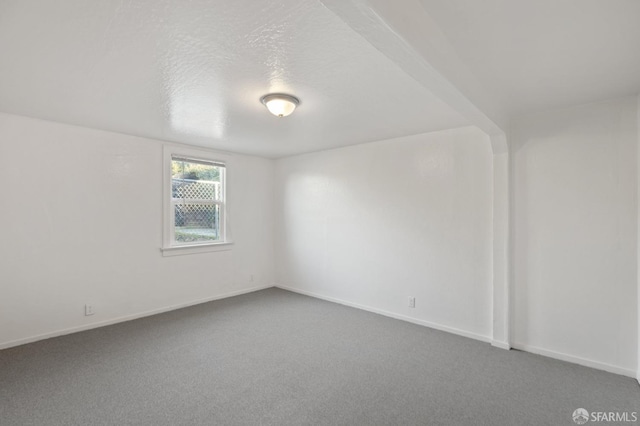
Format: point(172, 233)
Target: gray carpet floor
point(279, 358)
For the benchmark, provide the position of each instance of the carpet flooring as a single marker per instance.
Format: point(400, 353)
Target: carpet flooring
point(278, 358)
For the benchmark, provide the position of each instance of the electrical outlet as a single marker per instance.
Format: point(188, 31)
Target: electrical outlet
point(88, 310)
point(412, 302)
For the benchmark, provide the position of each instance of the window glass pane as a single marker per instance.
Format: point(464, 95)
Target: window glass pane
point(196, 181)
point(197, 222)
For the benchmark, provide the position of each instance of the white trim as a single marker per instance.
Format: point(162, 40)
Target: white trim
point(575, 359)
point(196, 248)
point(24, 341)
point(168, 238)
point(429, 324)
point(501, 345)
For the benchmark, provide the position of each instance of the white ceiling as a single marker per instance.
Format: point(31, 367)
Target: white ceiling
point(543, 54)
point(194, 71)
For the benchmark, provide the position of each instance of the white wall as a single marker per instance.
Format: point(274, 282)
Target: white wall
point(82, 212)
point(373, 224)
point(575, 290)
point(366, 225)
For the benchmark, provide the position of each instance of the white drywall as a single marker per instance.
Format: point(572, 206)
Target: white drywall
point(501, 336)
point(373, 224)
point(575, 289)
point(82, 223)
point(367, 225)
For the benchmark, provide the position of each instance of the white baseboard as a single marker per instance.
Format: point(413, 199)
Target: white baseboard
point(496, 343)
point(23, 341)
point(575, 360)
point(429, 324)
point(501, 345)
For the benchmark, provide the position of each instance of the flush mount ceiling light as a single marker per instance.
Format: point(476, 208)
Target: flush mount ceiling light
point(279, 104)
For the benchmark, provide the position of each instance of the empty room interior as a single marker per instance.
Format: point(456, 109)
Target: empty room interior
point(331, 212)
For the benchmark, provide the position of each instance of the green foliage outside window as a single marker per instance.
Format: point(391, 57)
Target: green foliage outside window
point(186, 170)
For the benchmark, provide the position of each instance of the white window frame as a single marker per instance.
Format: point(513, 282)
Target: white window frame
point(169, 246)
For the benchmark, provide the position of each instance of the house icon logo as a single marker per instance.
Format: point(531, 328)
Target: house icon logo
point(581, 416)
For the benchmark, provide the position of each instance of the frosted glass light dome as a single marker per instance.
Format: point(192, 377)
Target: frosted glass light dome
point(280, 105)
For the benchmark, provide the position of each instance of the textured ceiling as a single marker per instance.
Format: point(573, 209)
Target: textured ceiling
point(542, 54)
point(194, 71)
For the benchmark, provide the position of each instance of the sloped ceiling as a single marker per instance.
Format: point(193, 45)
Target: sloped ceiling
point(194, 71)
point(536, 55)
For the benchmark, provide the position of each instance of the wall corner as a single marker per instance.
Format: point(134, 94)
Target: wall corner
point(501, 253)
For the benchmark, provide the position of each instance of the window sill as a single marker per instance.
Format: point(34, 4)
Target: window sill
point(196, 248)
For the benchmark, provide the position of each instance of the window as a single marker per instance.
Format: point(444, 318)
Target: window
point(195, 215)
